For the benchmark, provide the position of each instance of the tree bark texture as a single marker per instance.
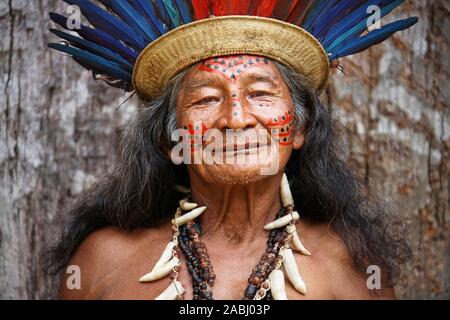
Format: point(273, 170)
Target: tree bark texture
point(59, 128)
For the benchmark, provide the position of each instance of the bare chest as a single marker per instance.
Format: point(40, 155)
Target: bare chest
point(232, 273)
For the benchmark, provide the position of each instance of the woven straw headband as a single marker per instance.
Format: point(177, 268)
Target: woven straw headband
point(229, 35)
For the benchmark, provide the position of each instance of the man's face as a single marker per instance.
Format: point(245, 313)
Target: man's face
point(244, 95)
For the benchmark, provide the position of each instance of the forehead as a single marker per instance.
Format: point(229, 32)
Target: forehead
point(233, 68)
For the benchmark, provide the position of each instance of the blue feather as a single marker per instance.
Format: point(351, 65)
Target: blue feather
point(148, 9)
point(338, 12)
point(185, 10)
point(107, 22)
point(372, 38)
point(347, 22)
point(164, 14)
point(315, 11)
point(95, 62)
point(93, 48)
point(359, 28)
point(98, 36)
point(133, 18)
point(172, 12)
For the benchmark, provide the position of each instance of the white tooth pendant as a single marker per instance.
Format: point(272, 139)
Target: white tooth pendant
point(161, 272)
point(166, 255)
point(296, 244)
point(277, 287)
point(191, 215)
point(286, 195)
point(172, 292)
point(291, 269)
point(185, 205)
point(283, 221)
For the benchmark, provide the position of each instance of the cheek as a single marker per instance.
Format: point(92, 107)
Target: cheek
point(192, 120)
point(281, 127)
point(193, 133)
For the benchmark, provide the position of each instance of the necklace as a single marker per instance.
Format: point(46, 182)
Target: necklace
point(266, 280)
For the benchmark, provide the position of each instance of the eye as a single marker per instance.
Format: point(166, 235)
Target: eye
point(259, 93)
point(207, 100)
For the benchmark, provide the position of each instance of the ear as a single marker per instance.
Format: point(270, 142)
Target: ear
point(298, 138)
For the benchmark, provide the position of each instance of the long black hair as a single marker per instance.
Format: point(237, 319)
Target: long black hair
point(138, 191)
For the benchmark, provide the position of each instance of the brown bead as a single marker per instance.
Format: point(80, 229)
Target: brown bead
point(250, 291)
point(256, 280)
point(201, 268)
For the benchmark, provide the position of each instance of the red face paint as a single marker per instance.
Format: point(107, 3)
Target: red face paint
point(282, 128)
point(195, 133)
point(231, 67)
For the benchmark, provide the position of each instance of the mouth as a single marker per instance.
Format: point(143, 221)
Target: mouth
point(241, 149)
point(249, 146)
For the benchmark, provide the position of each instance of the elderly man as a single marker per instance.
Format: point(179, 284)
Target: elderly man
point(229, 184)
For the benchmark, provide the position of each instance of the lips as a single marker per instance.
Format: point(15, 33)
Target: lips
point(241, 147)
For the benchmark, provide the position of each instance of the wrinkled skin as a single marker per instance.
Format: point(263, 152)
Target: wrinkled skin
point(240, 202)
point(244, 93)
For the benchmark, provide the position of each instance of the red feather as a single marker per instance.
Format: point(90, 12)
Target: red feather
point(298, 13)
point(254, 6)
point(219, 7)
point(239, 7)
point(266, 8)
point(201, 9)
point(283, 9)
point(293, 4)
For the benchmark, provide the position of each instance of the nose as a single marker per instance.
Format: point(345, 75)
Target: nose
point(236, 114)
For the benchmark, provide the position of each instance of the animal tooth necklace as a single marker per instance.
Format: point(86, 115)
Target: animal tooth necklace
point(266, 280)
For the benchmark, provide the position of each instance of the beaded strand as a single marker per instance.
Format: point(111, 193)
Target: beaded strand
point(201, 270)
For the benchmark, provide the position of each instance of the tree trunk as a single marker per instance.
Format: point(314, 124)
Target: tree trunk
point(57, 125)
point(394, 101)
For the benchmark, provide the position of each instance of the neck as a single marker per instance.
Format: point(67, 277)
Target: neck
point(237, 214)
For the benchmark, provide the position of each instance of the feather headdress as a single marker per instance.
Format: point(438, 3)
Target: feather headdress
point(140, 44)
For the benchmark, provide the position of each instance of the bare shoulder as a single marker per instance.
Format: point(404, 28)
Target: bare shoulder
point(333, 257)
point(102, 254)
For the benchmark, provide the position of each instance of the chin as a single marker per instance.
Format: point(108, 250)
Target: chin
point(237, 174)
